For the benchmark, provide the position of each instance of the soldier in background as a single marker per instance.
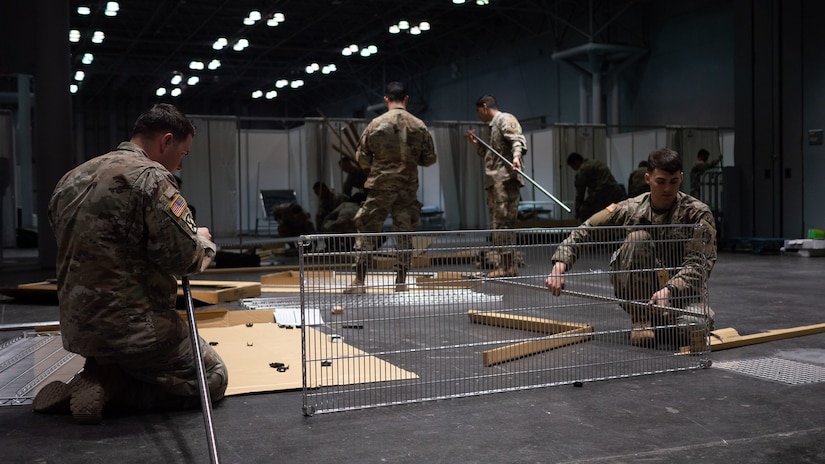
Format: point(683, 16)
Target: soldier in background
point(636, 184)
point(342, 221)
point(665, 205)
point(328, 200)
point(124, 233)
point(391, 148)
point(292, 220)
point(501, 181)
point(595, 186)
point(699, 167)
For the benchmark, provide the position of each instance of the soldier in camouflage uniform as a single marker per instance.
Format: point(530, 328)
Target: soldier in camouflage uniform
point(694, 256)
point(501, 181)
point(391, 148)
point(699, 167)
point(124, 233)
point(636, 184)
point(328, 200)
point(595, 186)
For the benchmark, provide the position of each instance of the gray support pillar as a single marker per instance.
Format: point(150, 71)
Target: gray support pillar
point(53, 116)
point(23, 149)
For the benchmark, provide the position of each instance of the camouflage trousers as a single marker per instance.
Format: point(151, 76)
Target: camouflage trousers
point(167, 379)
point(405, 209)
point(638, 273)
point(502, 205)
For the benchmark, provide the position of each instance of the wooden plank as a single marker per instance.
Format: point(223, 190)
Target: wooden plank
point(294, 277)
point(532, 324)
point(220, 291)
point(447, 279)
point(723, 339)
point(349, 131)
point(531, 347)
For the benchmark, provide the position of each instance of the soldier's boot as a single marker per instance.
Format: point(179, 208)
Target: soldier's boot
point(507, 267)
point(357, 285)
point(641, 334)
point(92, 389)
point(401, 279)
point(53, 398)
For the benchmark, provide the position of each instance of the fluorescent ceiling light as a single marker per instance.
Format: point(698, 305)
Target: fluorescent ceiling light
point(74, 35)
point(394, 29)
point(220, 43)
point(271, 94)
point(424, 26)
point(193, 80)
point(257, 94)
point(98, 37)
point(176, 79)
point(415, 30)
point(196, 65)
point(403, 25)
point(281, 83)
point(84, 10)
point(87, 58)
point(161, 91)
point(176, 91)
point(79, 75)
point(279, 17)
point(248, 21)
point(255, 15)
point(214, 64)
point(73, 88)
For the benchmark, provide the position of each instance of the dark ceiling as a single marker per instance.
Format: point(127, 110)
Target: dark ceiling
point(149, 40)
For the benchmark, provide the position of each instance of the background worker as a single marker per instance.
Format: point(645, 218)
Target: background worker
point(391, 148)
point(665, 204)
point(636, 184)
point(328, 200)
point(124, 233)
point(699, 167)
point(501, 181)
point(595, 186)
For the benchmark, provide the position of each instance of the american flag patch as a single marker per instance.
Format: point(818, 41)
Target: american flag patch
point(178, 205)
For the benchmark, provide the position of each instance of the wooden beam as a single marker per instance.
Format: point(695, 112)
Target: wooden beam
point(723, 339)
point(564, 333)
point(531, 347)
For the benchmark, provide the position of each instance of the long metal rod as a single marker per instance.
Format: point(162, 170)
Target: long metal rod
point(487, 146)
point(206, 400)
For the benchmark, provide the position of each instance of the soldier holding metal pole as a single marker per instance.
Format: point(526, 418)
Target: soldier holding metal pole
point(502, 180)
point(124, 233)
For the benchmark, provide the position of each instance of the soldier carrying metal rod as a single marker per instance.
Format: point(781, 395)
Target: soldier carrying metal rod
point(502, 180)
point(391, 148)
point(642, 261)
point(124, 233)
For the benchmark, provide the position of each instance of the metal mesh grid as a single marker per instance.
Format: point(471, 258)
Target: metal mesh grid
point(30, 361)
point(457, 333)
point(777, 369)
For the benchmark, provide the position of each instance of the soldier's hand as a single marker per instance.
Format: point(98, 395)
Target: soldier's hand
point(555, 281)
point(471, 136)
point(204, 232)
point(517, 163)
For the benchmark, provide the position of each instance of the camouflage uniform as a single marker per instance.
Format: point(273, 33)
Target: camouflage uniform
point(594, 180)
point(326, 204)
point(292, 220)
point(699, 168)
point(341, 220)
point(692, 249)
point(391, 148)
point(124, 233)
point(501, 181)
point(636, 184)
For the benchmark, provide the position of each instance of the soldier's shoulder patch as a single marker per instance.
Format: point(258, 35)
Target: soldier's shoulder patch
point(178, 205)
point(611, 207)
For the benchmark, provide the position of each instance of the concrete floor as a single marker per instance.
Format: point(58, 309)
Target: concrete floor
point(710, 415)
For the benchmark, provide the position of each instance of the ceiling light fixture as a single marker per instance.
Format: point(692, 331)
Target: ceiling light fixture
point(271, 94)
point(161, 91)
point(87, 58)
point(73, 88)
point(240, 45)
point(177, 78)
point(281, 83)
point(98, 37)
point(276, 19)
point(176, 91)
point(220, 43)
point(84, 10)
point(74, 36)
point(193, 80)
point(405, 26)
point(111, 9)
point(79, 75)
point(214, 64)
point(257, 94)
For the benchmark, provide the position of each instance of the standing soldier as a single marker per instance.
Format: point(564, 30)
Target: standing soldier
point(595, 186)
point(391, 148)
point(501, 181)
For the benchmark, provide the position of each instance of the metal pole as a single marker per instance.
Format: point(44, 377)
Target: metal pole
point(206, 400)
point(487, 146)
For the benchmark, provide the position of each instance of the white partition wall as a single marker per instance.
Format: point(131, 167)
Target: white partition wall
point(264, 166)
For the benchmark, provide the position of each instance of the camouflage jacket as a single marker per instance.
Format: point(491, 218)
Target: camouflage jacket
point(507, 139)
point(696, 171)
point(392, 147)
point(342, 218)
point(697, 245)
point(594, 179)
point(123, 234)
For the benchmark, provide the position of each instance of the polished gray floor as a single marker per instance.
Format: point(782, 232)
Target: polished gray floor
point(715, 415)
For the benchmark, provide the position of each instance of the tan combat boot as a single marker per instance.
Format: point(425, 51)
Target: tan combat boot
point(506, 267)
point(357, 286)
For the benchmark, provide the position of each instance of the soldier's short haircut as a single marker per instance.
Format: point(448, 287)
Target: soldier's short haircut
point(163, 118)
point(665, 159)
point(488, 100)
point(703, 154)
point(573, 158)
point(396, 92)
